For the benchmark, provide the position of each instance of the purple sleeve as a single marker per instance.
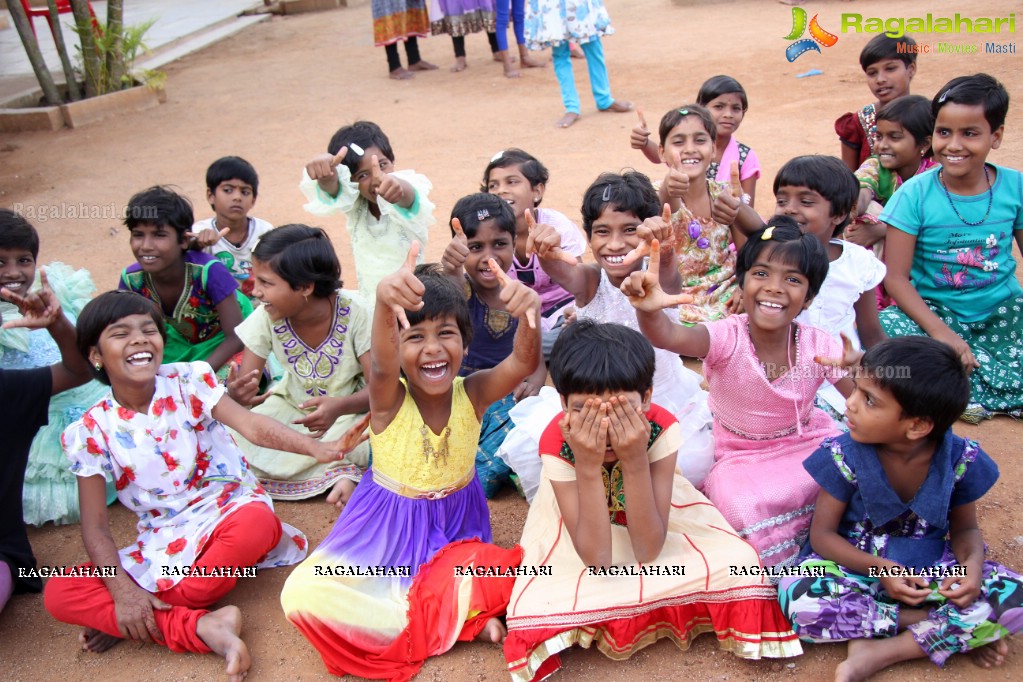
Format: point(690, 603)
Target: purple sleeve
point(219, 283)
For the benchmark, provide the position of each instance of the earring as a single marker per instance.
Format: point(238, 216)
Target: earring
point(99, 365)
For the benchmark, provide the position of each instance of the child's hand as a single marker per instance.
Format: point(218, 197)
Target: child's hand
point(676, 183)
point(910, 590)
point(402, 290)
point(726, 206)
point(519, 300)
point(850, 356)
point(628, 430)
point(331, 451)
point(386, 186)
point(39, 309)
point(585, 432)
point(134, 611)
point(244, 390)
point(656, 227)
point(457, 250)
point(643, 288)
point(323, 416)
point(967, 591)
point(641, 133)
point(961, 348)
point(545, 241)
point(324, 166)
point(207, 237)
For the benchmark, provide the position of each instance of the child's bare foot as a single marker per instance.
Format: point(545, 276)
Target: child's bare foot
point(499, 57)
point(567, 120)
point(493, 632)
point(529, 62)
point(619, 106)
point(868, 656)
point(422, 65)
point(220, 630)
point(576, 52)
point(95, 641)
point(460, 65)
point(341, 493)
point(401, 74)
point(991, 655)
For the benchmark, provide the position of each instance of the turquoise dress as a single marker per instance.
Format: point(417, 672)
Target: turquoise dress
point(51, 490)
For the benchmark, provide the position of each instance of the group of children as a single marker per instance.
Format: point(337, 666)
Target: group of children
point(821, 450)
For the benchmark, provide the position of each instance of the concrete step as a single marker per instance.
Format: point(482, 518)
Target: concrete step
point(193, 42)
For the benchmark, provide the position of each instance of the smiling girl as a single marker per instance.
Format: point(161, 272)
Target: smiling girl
point(161, 434)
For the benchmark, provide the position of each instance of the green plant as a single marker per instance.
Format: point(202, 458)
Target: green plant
point(113, 63)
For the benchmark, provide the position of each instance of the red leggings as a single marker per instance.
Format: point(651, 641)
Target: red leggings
point(240, 540)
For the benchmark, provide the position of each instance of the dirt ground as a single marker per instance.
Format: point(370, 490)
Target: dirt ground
point(276, 92)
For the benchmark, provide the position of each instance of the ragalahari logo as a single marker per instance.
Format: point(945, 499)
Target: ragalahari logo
point(818, 35)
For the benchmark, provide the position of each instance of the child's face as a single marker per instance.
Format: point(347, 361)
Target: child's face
point(889, 78)
point(810, 210)
point(514, 188)
point(279, 300)
point(574, 402)
point(774, 292)
point(488, 242)
point(130, 350)
point(896, 147)
point(232, 200)
point(431, 353)
point(692, 144)
point(17, 270)
point(727, 112)
point(962, 140)
point(612, 236)
point(156, 247)
point(873, 415)
point(363, 175)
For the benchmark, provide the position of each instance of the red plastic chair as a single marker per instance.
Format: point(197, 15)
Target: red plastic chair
point(63, 7)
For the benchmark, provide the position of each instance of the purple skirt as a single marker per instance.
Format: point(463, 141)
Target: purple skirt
point(382, 528)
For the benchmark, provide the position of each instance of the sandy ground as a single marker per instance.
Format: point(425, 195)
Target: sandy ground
point(276, 92)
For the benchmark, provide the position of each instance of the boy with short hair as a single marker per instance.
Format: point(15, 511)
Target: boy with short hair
point(894, 536)
point(231, 188)
point(889, 64)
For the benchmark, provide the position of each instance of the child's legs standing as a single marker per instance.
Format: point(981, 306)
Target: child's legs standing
point(503, 7)
point(561, 56)
point(837, 606)
point(599, 83)
point(518, 13)
point(393, 58)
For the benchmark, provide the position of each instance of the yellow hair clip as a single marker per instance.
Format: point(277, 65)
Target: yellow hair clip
point(766, 236)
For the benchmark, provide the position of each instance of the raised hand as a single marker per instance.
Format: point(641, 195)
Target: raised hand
point(850, 356)
point(325, 165)
point(208, 237)
point(657, 227)
point(643, 288)
point(585, 432)
point(726, 206)
point(641, 133)
point(545, 241)
point(519, 300)
point(676, 183)
point(457, 249)
point(330, 451)
point(244, 389)
point(401, 290)
point(39, 309)
point(387, 187)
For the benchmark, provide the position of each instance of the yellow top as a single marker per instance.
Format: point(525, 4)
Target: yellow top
point(410, 453)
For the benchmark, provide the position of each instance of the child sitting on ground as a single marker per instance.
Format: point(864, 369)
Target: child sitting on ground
point(894, 534)
point(231, 188)
point(612, 503)
point(197, 295)
point(24, 397)
point(161, 433)
point(951, 270)
point(50, 491)
point(889, 64)
point(385, 209)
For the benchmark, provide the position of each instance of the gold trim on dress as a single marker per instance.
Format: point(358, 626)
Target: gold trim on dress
point(388, 483)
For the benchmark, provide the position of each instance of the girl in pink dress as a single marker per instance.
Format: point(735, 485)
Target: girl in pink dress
point(762, 375)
